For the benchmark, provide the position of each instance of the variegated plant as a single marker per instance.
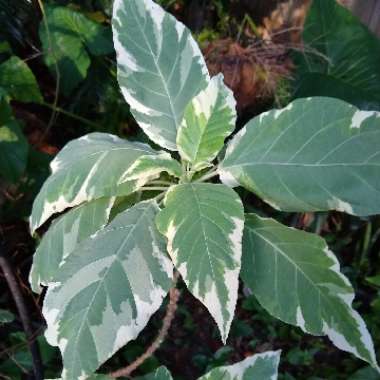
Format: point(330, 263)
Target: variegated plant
point(137, 214)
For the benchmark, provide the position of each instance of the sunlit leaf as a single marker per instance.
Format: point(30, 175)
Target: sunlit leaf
point(152, 166)
point(208, 120)
point(204, 225)
point(100, 300)
point(63, 237)
point(316, 154)
point(297, 279)
point(260, 366)
point(160, 67)
point(88, 168)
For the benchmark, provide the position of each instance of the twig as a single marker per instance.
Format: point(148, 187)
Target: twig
point(211, 174)
point(11, 350)
point(154, 188)
point(56, 68)
point(165, 183)
point(71, 115)
point(24, 316)
point(169, 316)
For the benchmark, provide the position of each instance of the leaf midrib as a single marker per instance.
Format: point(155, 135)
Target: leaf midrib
point(175, 118)
point(298, 268)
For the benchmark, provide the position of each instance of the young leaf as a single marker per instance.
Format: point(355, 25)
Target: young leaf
point(160, 67)
point(63, 237)
point(100, 301)
point(347, 66)
point(18, 81)
point(152, 166)
point(204, 225)
point(87, 168)
point(316, 154)
point(209, 119)
point(13, 145)
point(260, 366)
point(298, 280)
point(71, 35)
point(160, 374)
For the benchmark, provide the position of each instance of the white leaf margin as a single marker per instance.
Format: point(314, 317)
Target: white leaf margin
point(237, 371)
point(157, 14)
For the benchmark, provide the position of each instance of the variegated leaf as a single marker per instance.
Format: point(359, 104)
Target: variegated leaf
point(298, 280)
point(204, 224)
point(63, 237)
point(160, 374)
point(257, 367)
point(100, 301)
point(152, 166)
point(94, 377)
point(87, 168)
point(160, 67)
point(209, 119)
point(317, 154)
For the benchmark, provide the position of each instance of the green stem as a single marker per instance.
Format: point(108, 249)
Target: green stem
point(154, 188)
point(56, 68)
point(71, 115)
point(166, 183)
point(209, 175)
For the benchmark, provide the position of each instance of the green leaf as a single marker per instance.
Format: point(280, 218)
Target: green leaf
point(100, 301)
point(316, 154)
point(87, 168)
point(375, 280)
point(6, 316)
point(160, 374)
point(298, 280)
point(5, 48)
point(152, 166)
point(160, 67)
point(204, 225)
point(13, 145)
point(18, 81)
point(71, 36)
point(315, 84)
point(63, 237)
point(348, 57)
point(260, 366)
point(93, 377)
point(209, 119)
point(366, 373)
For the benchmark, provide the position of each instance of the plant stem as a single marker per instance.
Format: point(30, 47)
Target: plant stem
point(24, 316)
point(168, 319)
point(209, 175)
point(72, 115)
point(166, 183)
point(160, 198)
point(56, 68)
point(154, 188)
